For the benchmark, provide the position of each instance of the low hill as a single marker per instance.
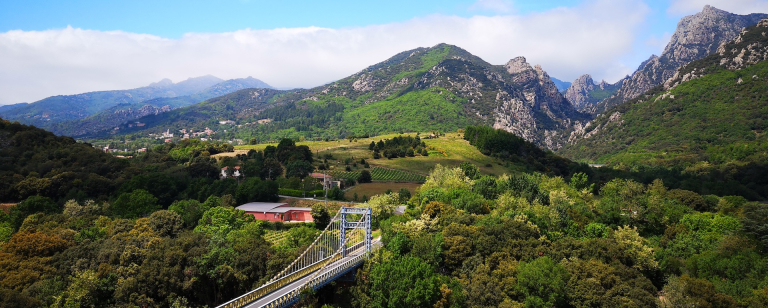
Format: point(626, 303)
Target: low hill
point(37, 162)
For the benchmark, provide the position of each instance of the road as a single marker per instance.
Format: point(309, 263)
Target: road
point(300, 282)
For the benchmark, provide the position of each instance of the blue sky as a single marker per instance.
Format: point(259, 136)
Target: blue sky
point(67, 47)
point(171, 19)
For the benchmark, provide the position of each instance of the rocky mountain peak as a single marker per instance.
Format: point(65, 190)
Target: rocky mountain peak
point(518, 65)
point(162, 83)
point(696, 37)
point(578, 92)
point(748, 48)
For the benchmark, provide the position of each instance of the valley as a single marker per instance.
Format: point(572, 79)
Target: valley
point(488, 185)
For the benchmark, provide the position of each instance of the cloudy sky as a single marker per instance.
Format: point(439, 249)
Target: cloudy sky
point(67, 47)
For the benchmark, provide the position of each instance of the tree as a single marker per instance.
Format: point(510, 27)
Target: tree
point(31, 205)
point(755, 221)
point(447, 178)
point(272, 169)
point(166, 223)
point(405, 195)
point(383, 206)
point(320, 216)
point(191, 210)
point(543, 282)
point(404, 282)
point(365, 177)
point(254, 189)
point(470, 170)
point(135, 204)
point(298, 168)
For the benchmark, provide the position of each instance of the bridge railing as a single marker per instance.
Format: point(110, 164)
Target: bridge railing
point(277, 284)
point(339, 235)
point(316, 282)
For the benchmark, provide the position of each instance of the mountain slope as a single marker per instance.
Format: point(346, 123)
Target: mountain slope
point(55, 109)
point(439, 88)
point(710, 118)
point(696, 37)
point(123, 113)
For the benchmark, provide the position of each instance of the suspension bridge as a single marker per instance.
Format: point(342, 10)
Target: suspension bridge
point(340, 248)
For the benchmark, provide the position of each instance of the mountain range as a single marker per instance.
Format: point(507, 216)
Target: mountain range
point(443, 87)
point(109, 108)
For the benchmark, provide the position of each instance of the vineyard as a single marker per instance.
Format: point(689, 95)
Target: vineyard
point(276, 238)
point(383, 175)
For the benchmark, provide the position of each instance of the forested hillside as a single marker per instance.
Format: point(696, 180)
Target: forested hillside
point(537, 241)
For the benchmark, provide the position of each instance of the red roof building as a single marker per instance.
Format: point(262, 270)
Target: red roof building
point(277, 212)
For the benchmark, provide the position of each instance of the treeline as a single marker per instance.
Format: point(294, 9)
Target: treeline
point(538, 241)
point(511, 148)
point(400, 146)
point(36, 162)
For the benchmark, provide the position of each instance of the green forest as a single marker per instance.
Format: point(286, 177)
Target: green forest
point(160, 230)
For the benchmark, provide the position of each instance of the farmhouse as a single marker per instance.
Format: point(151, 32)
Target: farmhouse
point(277, 212)
point(327, 180)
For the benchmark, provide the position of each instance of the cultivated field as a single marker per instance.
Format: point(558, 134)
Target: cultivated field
point(448, 150)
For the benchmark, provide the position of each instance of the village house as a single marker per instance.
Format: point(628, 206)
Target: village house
point(277, 212)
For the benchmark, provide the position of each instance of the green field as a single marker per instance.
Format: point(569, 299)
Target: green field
point(448, 150)
point(379, 174)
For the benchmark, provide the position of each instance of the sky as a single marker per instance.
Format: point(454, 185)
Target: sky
point(60, 47)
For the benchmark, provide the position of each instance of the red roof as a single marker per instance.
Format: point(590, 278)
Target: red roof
point(319, 175)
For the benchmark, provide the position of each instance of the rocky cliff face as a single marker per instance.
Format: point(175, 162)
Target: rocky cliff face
point(696, 37)
point(584, 93)
point(578, 92)
point(749, 48)
point(516, 97)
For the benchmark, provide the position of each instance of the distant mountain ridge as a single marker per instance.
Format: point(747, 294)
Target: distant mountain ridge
point(696, 37)
point(123, 113)
point(48, 112)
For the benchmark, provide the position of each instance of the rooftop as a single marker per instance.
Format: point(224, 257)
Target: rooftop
point(270, 207)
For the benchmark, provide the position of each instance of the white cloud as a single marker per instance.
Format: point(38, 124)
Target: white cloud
point(684, 7)
point(658, 43)
point(589, 38)
point(498, 6)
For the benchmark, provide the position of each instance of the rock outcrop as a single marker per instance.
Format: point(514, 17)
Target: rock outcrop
point(696, 37)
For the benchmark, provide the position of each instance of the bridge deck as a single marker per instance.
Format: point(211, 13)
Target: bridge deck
point(301, 281)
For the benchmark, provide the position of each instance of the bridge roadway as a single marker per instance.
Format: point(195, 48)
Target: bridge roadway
point(301, 281)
